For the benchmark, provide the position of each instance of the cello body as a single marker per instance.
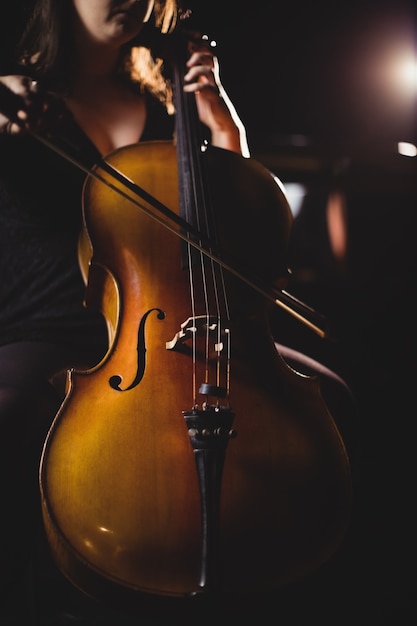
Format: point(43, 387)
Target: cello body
point(121, 494)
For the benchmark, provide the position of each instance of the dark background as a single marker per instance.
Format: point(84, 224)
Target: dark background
point(322, 107)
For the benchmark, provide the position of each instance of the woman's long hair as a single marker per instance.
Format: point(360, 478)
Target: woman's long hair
point(46, 48)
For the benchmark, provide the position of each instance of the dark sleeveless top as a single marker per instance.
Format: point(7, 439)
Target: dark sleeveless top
point(41, 288)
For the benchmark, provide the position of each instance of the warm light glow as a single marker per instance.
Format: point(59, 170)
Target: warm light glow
point(407, 149)
point(405, 71)
point(337, 225)
point(396, 76)
point(385, 67)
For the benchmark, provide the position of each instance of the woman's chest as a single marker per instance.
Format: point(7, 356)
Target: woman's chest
point(111, 124)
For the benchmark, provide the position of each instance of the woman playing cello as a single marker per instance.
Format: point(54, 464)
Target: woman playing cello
point(87, 84)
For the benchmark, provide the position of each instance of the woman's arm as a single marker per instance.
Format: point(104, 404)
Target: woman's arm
point(215, 108)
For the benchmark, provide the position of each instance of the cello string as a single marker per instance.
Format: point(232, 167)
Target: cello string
point(194, 327)
point(199, 211)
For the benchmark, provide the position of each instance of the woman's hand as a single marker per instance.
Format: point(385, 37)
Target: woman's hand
point(17, 95)
point(214, 107)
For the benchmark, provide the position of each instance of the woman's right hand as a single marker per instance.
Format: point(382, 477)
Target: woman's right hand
point(17, 94)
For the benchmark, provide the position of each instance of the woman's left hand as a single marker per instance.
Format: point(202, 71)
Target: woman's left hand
point(215, 110)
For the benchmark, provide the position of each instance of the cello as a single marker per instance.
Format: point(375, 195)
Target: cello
point(192, 459)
